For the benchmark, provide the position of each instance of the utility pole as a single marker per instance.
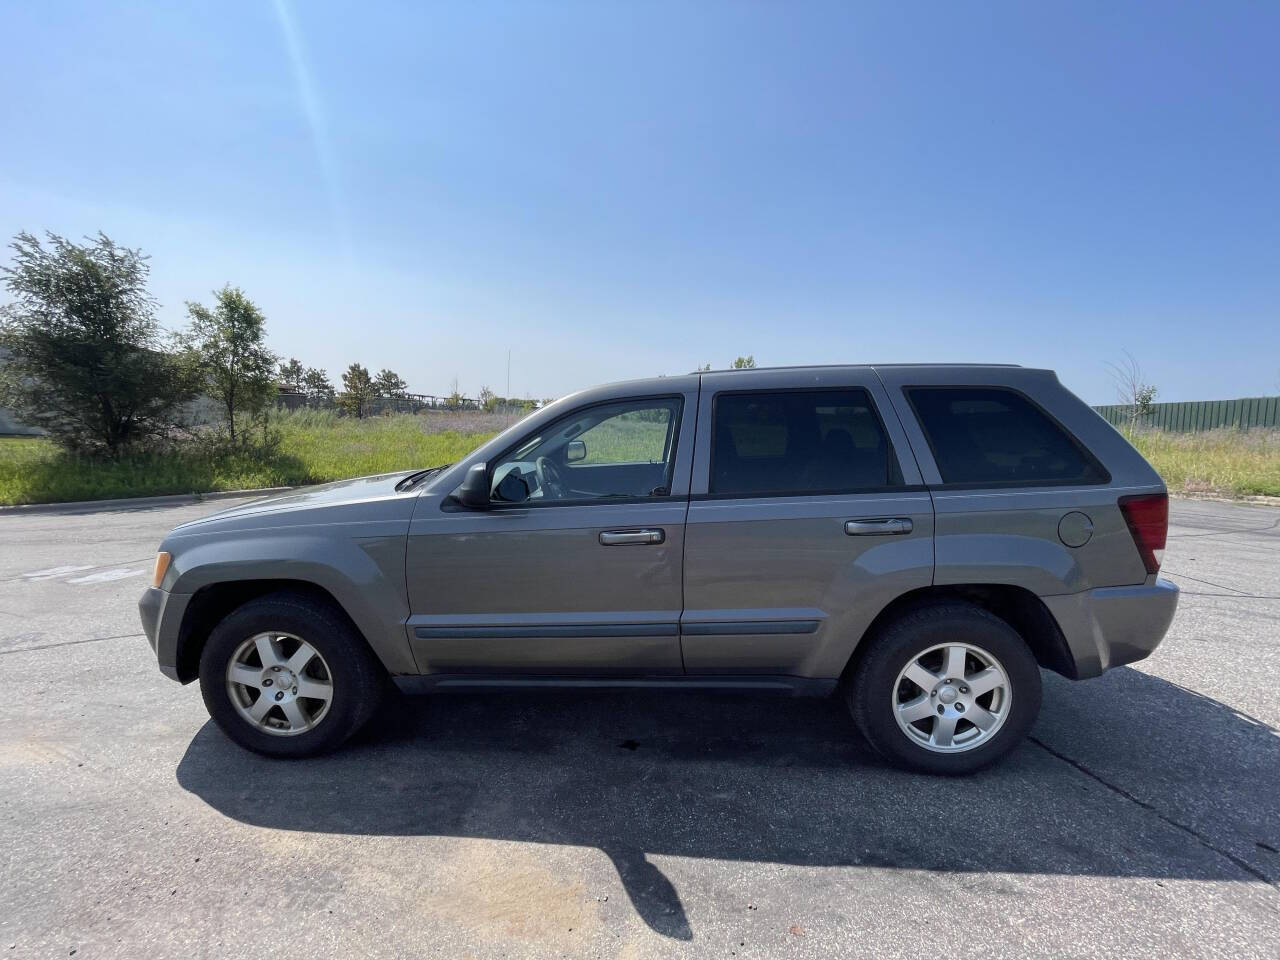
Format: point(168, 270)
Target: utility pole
point(508, 393)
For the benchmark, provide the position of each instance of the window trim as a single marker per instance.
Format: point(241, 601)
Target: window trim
point(783, 495)
point(1086, 454)
point(773, 495)
point(669, 475)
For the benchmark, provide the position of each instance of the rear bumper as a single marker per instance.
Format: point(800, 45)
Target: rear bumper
point(161, 615)
point(1111, 626)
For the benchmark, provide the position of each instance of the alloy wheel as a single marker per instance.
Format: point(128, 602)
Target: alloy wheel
point(279, 684)
point(952, 697)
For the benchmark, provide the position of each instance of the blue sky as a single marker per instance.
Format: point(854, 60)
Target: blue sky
point(611, 190)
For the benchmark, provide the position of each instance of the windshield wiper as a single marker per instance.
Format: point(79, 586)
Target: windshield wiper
point(413, 479)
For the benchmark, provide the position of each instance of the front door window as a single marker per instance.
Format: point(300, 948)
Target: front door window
point(610, 451)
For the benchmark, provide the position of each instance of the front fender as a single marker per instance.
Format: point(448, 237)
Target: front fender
point(364, 574)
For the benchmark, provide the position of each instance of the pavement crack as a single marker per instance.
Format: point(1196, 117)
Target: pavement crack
point(1220, 586)
point(1229, 596)
point(70, 643)
point(1227, 533)
point(1150, 808)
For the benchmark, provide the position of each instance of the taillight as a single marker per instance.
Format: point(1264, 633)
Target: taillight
point(1148, 518)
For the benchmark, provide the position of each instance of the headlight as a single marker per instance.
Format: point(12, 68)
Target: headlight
point(162, 566)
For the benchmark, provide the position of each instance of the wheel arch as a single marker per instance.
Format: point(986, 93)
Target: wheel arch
point(1017, 606)
point(211, 604)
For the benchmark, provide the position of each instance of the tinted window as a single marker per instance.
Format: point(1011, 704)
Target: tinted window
point(798, 442)
point(983, 435)
point(623, 449)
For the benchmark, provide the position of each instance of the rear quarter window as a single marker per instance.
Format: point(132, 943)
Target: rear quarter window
point(989, 435)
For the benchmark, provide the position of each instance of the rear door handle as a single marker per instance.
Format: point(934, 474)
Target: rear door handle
point(878, 527)
point(618, 538)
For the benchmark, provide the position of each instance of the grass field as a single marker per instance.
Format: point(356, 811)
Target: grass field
point(1226, 462)
point(316, 446)
point(625, 438)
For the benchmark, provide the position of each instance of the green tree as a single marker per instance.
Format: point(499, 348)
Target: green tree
point(455, 398)
point(228, 346)
point(488, 400)
point(390, 384)
point(745, 363)
point(316, 385)
point(1132, 389)
point(359, 390)
point(705, 368)
point(1143, 398)
point(291, 374)
point(85, 361)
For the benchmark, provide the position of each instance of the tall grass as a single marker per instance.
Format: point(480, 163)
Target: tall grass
point(329, 447)
point(310, 446)
point(314, 446)
point(1227, 462)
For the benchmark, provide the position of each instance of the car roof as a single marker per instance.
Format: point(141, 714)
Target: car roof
point(871, 366)
point(680, 382)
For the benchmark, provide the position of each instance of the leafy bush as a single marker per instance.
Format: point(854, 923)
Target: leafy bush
point(85, 361)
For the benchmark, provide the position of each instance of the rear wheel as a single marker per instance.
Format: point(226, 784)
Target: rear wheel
point(945, 689)
point(287, 676)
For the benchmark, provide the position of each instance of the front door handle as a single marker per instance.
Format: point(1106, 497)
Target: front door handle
point(878, 527)
point(618, 538)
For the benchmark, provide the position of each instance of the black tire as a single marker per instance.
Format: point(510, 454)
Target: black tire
point(358, 679)
point(873, 695)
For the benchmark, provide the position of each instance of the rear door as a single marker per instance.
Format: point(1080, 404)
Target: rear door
point(807, 516)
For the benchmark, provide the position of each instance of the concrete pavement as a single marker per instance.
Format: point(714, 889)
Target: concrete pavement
point(1142, 819)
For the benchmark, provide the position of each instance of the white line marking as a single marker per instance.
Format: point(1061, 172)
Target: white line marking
point(103, 576)
point(54, 572)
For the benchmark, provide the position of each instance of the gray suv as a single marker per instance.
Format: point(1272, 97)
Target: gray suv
point(920, 540)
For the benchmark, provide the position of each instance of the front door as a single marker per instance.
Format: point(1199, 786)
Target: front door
point(576, 569)
point(807, 517)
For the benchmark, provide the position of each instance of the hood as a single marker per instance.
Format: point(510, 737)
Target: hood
point(380, 487)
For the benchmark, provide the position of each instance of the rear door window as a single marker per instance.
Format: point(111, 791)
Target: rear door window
point(984, 435)
point(789, 443)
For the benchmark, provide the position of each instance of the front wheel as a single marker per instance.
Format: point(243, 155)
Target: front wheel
point(287, 676)
point(945, 689)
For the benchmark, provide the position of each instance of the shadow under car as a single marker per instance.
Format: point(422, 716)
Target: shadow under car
point(744, 777)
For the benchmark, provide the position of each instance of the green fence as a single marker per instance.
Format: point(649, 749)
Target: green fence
point(1249, 413)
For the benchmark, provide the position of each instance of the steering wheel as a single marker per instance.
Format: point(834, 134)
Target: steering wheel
point(550, 479)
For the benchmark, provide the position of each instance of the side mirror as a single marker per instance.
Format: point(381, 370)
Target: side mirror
point(513, 488)
point(575, 451)
point(473, 492)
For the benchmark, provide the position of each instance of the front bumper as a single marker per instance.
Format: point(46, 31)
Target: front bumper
point(1111, 626)
point(161, 615)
